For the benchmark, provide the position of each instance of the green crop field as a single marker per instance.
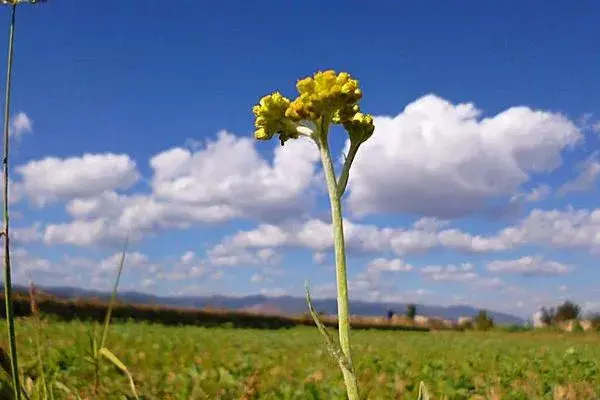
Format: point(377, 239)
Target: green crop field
point(222, 363)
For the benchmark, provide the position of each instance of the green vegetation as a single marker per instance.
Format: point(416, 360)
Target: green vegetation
point(218, 363)
point(483, 321)
point(566, 311)
point(411, 311)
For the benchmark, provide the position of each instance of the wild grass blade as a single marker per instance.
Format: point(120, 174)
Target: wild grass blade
point(109, 355)
point(114, 294)
point(64, 388)
point(423, 393)
point(38, 345)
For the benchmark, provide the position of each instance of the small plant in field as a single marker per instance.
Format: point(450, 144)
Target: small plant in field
point(324, 100)
point(98, 350)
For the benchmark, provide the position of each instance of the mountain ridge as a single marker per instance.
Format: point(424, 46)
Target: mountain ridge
point(284, 305)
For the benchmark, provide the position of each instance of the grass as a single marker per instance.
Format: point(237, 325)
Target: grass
point(218, 363)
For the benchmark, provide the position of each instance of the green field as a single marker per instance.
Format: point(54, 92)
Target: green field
point(222, 363)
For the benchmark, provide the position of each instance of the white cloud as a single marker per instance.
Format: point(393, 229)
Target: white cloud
point(264, 235)
point(489, 282)
point(589, 170)
point(319, 257)
point(316, 235)
point(538, 193)
point(274, 292)
point(230, 172)
point(134, 260)
point(26, 234)
point(52, 179)
point(444, 160)
point(188, 257)
point(567, 229)
point(268, 256)
point(563, 289)
point(389, 265)
point(84, 233)
point(112, 217)
point(225, 255)
point(226, 179)
point(451, 272)
point(184, 268)
point(530, 266)
point(455, 239)
point(20, 124)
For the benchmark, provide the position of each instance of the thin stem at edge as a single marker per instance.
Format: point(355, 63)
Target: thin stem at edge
point(7, 275)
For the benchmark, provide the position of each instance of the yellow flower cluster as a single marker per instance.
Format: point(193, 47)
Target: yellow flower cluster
point(324, 98)
point(325, 94)
point(270, 117)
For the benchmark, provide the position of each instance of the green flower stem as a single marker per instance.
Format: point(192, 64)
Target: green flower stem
point(7, 276)
point(340, 266)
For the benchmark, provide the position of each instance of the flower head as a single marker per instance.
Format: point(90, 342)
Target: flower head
point(324, 98)
point(325, 94)
point(271, 120)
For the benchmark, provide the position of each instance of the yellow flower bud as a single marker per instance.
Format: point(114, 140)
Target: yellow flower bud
point(305, 85)
point(270, 115)
point(360, 127)
point(261, 134)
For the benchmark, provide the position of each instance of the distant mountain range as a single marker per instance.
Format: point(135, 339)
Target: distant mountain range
point(284, 305)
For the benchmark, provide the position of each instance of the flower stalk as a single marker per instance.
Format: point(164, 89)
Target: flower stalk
point(340, 270)
point(325, 99)
point(10, 320)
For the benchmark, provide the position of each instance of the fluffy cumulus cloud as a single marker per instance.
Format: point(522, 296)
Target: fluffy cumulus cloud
point(52, 179)
point(424, 235)
point(565, 229)
point(529, 265)
point(111, 217)
point(441, 159)
point(229, 172)
point(225, 179)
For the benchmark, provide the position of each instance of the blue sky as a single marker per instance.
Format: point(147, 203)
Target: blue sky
point(479, 185)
